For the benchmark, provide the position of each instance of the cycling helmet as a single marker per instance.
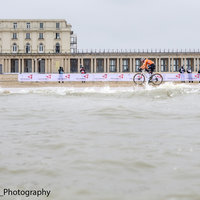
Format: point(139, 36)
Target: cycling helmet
point(142, 59)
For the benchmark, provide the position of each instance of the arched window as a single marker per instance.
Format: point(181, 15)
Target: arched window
point(57, 48)
point(28, 48)
point(14, 48)
point(41, 48)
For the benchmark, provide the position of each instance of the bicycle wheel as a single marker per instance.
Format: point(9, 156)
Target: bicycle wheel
point(156, 79)
point(139, 79)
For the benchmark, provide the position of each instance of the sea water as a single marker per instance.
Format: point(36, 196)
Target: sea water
point(101, 143)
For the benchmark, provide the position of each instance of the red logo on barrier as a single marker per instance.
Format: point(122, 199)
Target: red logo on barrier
point(49, 76)
point(197, 76)
point(121, 76)
point(178, 75)
point(139, 76)
point(105, 75)
point(68, 76)
point(31, 76)
point(158, 76)
point(86, 76)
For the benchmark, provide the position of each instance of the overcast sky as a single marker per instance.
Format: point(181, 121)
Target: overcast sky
point(118, 24)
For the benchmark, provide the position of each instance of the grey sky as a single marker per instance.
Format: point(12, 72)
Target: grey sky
point(118, 24)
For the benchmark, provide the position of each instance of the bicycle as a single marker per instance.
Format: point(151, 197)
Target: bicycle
point(155, 78)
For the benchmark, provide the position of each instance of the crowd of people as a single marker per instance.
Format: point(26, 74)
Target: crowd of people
point(189, 71)
point(61, 71)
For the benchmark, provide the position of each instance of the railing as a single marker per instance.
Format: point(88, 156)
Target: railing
point(137, 51)
point(104, 51)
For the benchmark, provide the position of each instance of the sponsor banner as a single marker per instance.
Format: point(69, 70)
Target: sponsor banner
point(82, 77)
point(75, 77)
point(27, 77)
point(113, 77)
point(44, 77)
point(171, 77)
point(102, 77)
point(121, 77)
point(116, 77)
point(197, 77)
point(180, 77)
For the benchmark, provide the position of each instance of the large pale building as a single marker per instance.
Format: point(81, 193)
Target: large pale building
point(24, 44)
point(35, 36)
point(41, 46)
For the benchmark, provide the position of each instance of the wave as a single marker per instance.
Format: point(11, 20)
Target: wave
point(166, 90)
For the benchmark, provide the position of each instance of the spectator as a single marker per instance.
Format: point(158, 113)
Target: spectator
point(189, 71)
point(182, 71)
point(83, 71)
point(60, 71)
point(199, 75)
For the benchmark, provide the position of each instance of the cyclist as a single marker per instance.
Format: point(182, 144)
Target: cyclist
point(148, 65)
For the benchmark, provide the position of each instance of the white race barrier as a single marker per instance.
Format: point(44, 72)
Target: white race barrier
point(181, 77)
point(101, 77)
point(75, 77)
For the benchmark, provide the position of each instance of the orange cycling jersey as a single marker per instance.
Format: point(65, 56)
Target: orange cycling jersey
point(146, 63)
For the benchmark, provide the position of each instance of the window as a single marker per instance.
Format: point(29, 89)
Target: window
point(41, 25)
point(100, 65)
point(199, 64)
point(28, 48)
point(57, 35)
point(40, 35)
point(28, 36)
point(28, 66)
point(57, 25)
point(41, 66)
point(176, 65)
point(57, 48)
point(87, 65)
point(137, 64)
point(113, 65)
point(73, 65)
point(28, 25)
point(125, 67)
point(14, 48)
point(14, 35)
point(41, 48)
point(189, 64)
point(164, 67)
point(14, 66)
point(14, 25)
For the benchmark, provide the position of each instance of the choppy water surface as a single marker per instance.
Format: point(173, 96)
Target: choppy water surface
point(102, 143)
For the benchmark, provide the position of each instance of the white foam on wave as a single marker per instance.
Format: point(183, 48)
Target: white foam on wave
point(66, 90)
point(51, 91)
point(171, 85)
point(182, 88)
point(167, 87)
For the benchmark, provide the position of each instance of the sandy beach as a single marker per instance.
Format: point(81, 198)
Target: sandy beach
point(15, 84)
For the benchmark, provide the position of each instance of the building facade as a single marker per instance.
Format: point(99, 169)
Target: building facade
point(41, 46)
point(96, 62)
